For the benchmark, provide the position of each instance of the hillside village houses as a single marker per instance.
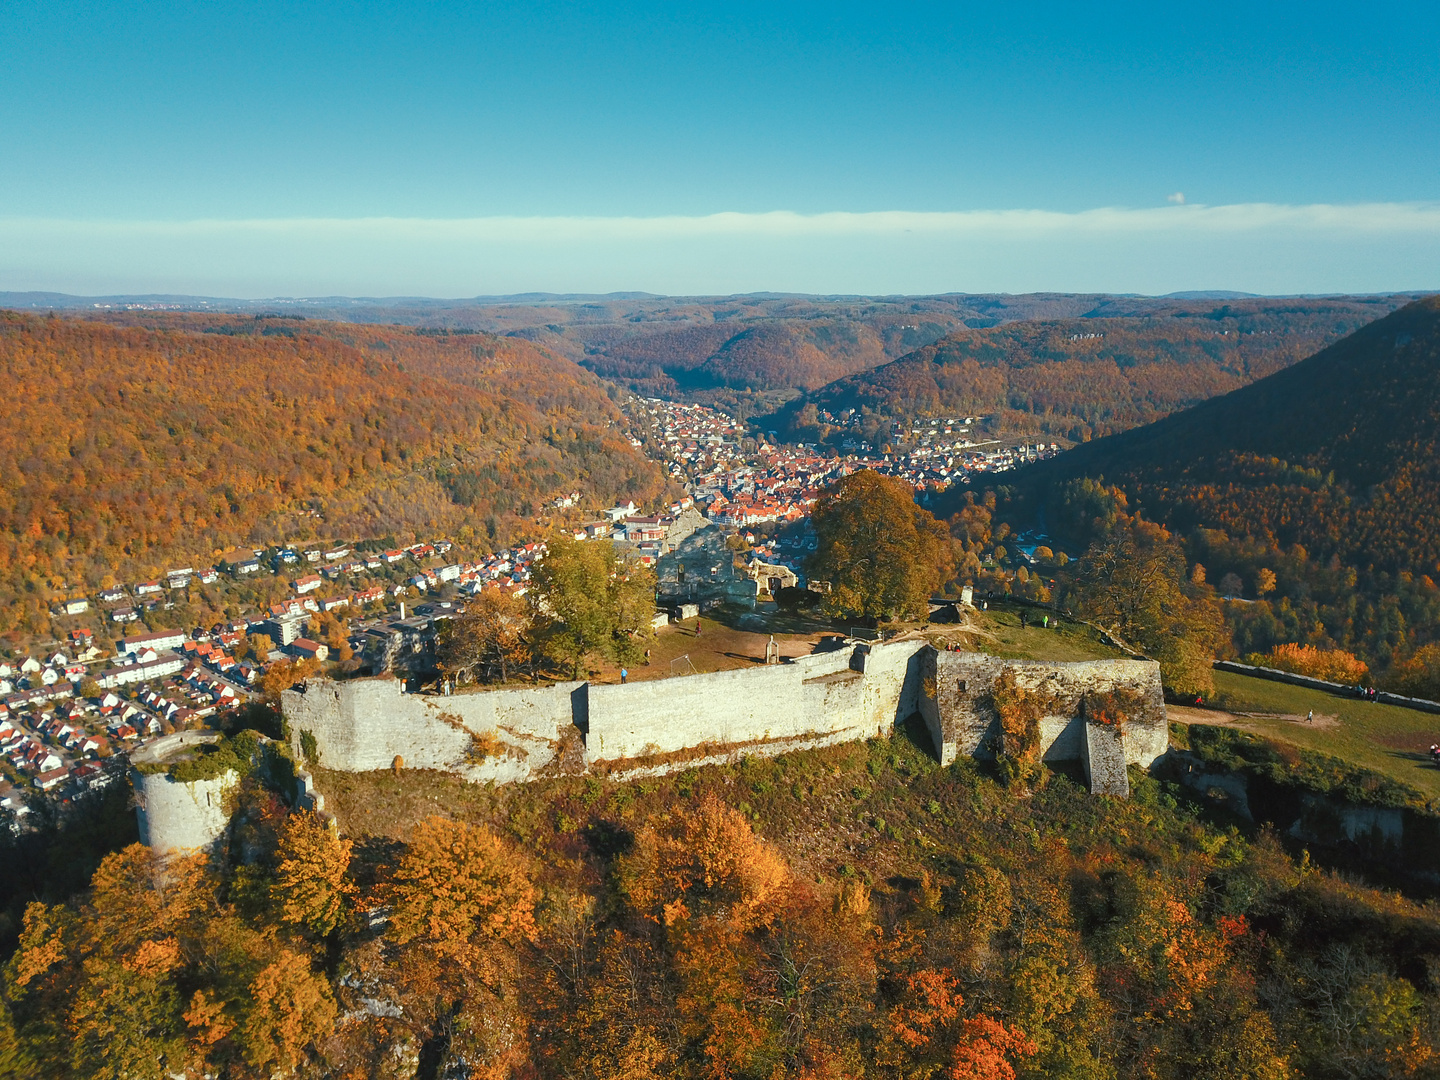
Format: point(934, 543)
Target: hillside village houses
point(57, 741)
point(775, 484)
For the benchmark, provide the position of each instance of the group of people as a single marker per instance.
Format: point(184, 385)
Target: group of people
point(1366, 693)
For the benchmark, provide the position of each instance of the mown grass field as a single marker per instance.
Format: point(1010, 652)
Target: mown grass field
point(1385, 738)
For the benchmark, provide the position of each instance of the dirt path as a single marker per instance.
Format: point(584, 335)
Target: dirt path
point(1186, 714)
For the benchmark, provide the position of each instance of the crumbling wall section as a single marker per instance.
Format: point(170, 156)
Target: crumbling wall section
point(812, 700)
point(365, 724)
point(963, 721)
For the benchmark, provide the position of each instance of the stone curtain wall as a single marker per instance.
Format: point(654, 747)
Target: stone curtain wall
point(365, 724)
point(958, 707)
point(652, 727)
point(823, 698)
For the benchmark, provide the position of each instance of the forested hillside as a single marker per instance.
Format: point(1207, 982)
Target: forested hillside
point(1338, 453)
point(1078, 378)
point(727, 347)
point(851, 912)
point(127, 448)
point(1318, 488)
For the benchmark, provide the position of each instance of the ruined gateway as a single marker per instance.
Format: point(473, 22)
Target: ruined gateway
point(651, 728)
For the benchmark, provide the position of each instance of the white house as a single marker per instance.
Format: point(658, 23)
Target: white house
point(159, 639)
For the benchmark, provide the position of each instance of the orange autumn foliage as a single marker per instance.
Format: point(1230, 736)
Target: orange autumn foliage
point(927, 1024)
point(710, 863)
point(1332, 664)
point(459, 887)
point(127, 447)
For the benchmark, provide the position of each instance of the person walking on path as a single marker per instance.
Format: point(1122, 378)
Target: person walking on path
point(1310, 717)
point(624, 674)
point(647, 657)
point(697, 625)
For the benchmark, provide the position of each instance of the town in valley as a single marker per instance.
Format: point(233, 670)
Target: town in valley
point(118, 673)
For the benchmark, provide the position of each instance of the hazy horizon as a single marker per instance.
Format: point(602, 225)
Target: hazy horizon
point(261, 149)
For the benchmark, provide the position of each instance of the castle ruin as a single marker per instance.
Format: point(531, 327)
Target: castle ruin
point(174, 815)
point(650, 728)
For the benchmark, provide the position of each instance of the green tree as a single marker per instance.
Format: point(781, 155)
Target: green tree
point(595, 601)
point(882, 554)
point(631, 596)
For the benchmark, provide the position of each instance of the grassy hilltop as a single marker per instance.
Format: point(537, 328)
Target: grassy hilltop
point(852, 911)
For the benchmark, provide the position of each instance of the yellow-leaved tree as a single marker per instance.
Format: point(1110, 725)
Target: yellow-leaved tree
point(459, 887)
point(463, 905)
point(312, 888)
point(290, 1008)
point(881, 553)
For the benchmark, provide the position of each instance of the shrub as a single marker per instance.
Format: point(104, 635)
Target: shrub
point(1112, 707)
point(487, 744)
point(1299, 769)
point(1019, 710)
point(1331, 664)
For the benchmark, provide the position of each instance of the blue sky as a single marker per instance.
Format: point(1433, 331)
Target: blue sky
point(367, 148)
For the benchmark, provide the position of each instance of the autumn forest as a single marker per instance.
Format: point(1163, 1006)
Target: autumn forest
point(132, 448)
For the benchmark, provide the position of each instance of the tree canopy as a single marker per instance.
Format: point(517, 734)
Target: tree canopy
point(131, 447)
point(593, 601)
point(490, 641)
point(1133, 582)
point(881, 554)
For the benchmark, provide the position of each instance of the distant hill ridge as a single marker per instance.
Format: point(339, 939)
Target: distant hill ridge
point(1339, 452)
point(1113, 367)
point(730, 349)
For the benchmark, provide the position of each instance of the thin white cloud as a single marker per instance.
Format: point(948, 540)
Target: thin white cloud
point(1260, 247)
point(1193, 218)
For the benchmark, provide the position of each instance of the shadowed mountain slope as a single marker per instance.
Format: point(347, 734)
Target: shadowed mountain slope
point(1339, 453)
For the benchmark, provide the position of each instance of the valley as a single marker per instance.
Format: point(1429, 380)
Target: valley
point(470, 484)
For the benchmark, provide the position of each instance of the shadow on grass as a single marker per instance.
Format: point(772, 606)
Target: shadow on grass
point(917, 734)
